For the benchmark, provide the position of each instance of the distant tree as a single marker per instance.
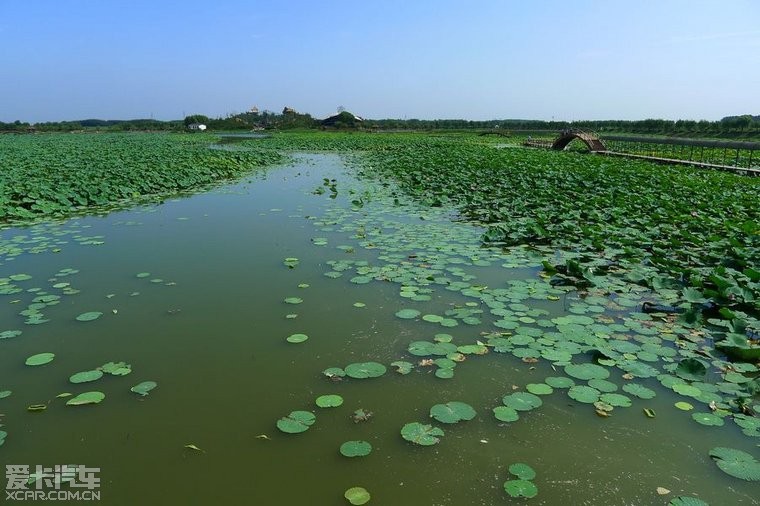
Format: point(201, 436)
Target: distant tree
point(196, 118)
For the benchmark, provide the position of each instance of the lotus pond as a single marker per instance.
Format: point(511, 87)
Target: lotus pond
point(391, 320)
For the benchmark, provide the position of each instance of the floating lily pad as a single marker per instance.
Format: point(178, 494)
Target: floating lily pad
point(357, 496)
point(40, 359)
point(522, 471)
point(329, 401)
point(687, 501)
point(505, 414)
point(522, 401)
point(421, 434)
point(603, 385)
point(293, 300)
point(355, 449)
point(5, 393)
point(361, 370)
point(683, 406)
point(86, 398)
point(639, 391)
point(539, 388)
point(708, 419)
point(587, 371)
point(89, 316)
point(616, 400)
point(559, 382)
point(144, 388)
point(583, 393)
point(408, 314)
point(297, 338)
point(296, 422)
point(3, 436)
point(687, 390)
point(521, 488)
point(143, 274)
point(736, 463)
point(452, 412)
point(116, 368)
point(8, 334)
point(86, 376)
point(334, 372)
point(402, 367)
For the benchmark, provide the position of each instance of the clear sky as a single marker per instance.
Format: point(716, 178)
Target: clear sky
point(472, 59)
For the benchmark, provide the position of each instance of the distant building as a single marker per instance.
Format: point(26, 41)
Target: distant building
point(196, 126)
point(289, 110)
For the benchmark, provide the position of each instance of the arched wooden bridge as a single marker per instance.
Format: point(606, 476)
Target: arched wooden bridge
point(591, 140)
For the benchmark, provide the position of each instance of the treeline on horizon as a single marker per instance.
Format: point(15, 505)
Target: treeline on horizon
point(729, 126)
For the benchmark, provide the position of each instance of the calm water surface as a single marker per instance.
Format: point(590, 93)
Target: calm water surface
point(209, 326)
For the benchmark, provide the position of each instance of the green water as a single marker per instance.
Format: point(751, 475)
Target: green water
point(212, 334)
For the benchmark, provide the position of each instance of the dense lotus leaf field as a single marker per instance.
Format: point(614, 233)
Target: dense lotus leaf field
point(58, 174)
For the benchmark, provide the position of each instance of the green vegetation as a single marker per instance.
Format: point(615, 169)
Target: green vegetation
point(573, 249)
point(57, 175)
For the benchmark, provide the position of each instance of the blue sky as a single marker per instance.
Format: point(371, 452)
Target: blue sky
point(567, 60)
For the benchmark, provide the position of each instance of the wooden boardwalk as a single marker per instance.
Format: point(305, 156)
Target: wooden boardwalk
point(596, 145)
point(675, 161)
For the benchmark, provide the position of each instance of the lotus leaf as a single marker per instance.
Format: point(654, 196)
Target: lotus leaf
point(296, 422)
point(355, 449)
point(452, 412)
point(421, 434)
point(86, 398)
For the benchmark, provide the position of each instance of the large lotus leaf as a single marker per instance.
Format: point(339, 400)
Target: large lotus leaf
point(587, 371)
point(583, 393)
point(86, 376)
point(687, 390)
point(421, 434)
point(522, 471)
point(521, 488)
point(639, 391)
point(539, 388)
point(616, 400)
point(40, 359)
point(296, 338)
point(329, 401)
point(452, 412)
point(687, 501)
point(357, 496)
point(603, 385)
point(296, 421)
point(559, 382)
point(505, 414)
point(710, 419)
point(691, 369)
point(522, 401)
point(86, 398)
point(355, 449)
point(89, 316)
point(402, 367)
point(144, 388)
point(362, 370)
point(407, 314)
point(736, 463)
point(8, 334)
point(116, 368)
